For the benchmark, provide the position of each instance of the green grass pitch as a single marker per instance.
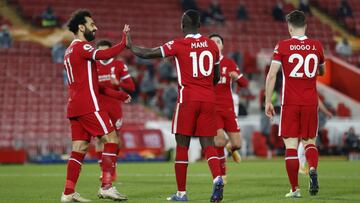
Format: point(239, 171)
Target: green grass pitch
point(249, 181)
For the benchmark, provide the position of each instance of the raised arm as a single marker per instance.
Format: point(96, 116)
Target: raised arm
point(143, 52)
point(88, 52)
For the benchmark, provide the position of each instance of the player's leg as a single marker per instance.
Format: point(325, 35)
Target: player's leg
point(289, 130)
point(309, 118)
point(232, 129)
point(99, 147)
point(80, 142)
point(292, 165)
point(183, 125)
point(234, 145)
point(309, 133)
point(207, 144)
point(302, 159)
point(99, 124)
point(181, 164)
point(220, 143)
point(206, 129)
point(312, 155)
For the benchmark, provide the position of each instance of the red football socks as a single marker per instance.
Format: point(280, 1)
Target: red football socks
point(312, 155)
point(73, 171)
point(109, 158)
point(181, 164)
point(213, 161)
point(222, 159)
point(292, 167)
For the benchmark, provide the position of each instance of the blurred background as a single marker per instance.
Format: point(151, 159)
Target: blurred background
point(33, 91)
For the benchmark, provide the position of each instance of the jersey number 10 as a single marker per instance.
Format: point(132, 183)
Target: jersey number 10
point(295, 72)
point(199, 64)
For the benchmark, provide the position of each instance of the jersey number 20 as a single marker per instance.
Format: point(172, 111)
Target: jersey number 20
point(199, 64)
point(295, 72)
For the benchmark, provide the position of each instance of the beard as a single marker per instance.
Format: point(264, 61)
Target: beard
point(89, 35)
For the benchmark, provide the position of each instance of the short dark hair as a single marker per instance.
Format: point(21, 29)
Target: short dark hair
point(296, 18)
point(217, 35)
point(78, 18)
point(192, 18)
point(103, 42)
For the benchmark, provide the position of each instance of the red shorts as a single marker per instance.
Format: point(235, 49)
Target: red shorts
point(298, 121)
point(194, 119)
point(226, 119)
point(92, 124)
point(113, 108)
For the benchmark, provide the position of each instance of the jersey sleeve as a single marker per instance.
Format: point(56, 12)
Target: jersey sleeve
point(169, 49)
point(277, 56)
point(123, 71)
point(126, 82)
point(241, 80)
point(89, 52)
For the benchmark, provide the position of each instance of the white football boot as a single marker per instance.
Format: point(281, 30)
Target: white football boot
point(111, 193)
point(74, 197)
point(295, 194)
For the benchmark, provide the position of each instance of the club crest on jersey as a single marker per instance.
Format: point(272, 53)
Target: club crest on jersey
point(88, 47)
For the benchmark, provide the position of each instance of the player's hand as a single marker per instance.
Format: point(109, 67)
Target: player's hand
point(233, 74)
point(126, 28)
point(128, 100)
point(328, 114)
point(114, 81)
point(269, 110)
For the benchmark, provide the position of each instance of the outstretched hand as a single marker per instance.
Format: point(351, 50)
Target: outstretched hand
point(126, 28)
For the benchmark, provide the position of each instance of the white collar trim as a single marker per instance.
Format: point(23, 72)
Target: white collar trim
point(299, 37)
point(106, 63)
point(196, 36)
point(75, 40)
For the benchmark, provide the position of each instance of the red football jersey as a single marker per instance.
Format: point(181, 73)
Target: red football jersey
point(82, 75)
point(111, 68)
point(82, 78)
point(195, 57)
point(300, 58)
point(223, 89)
